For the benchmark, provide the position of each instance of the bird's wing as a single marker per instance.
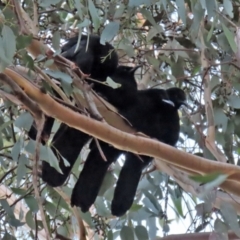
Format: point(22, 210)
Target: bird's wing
point(63, 147)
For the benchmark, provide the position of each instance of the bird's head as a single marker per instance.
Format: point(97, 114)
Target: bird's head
point(177, 96)
point(126, 70)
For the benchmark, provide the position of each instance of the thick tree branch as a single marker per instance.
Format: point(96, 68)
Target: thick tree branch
point(125, 141)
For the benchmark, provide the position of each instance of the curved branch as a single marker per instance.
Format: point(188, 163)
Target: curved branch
point(123, 140)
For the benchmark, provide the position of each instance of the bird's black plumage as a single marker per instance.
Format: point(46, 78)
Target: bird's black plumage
point(144, 109)
point(147, 112)
point(91, 56)
point(158, 120)
point(90, 179)
point(68, 142)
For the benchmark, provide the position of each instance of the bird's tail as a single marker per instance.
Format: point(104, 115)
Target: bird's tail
point(127, 183)
point(67, 143)
point(88, 185)
point(32, 133)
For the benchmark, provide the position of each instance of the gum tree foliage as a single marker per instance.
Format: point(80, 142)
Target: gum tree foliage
point(190, 44)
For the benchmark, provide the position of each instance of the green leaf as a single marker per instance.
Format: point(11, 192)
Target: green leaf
point(127, 47)
point(206, 178)
point(87, 218)
point(220, 118)
point(15, 222)
point(66, 80)
point(152, 199)
point(178, 204)
point(52, 160)
point(109, 32)
point(136, 3)
point(4, 125)
point(203, 208)
point(30, 220)
point(24, 120)
point(48, 63)
point(59, 75)
point(126, 233)
point(56, 40)
point(230, 37)
point(9, 42)
point(214, 82)
point(230, 217)
point(119, 11)
point(220, 226)
point(227, 4)
point(46, 154)
point(57, 200)
point(32, 203)
point(23, 41)
point(7, 236)
point(101, 207)
point(141, 232)
point(198, 12)
point(211, 7)
point(150, 18)
point(16, 150)
point(152, 33)
point(181, 10)
point(94, 15)
point(51, 208)
point(108, 181)
point(48, 3)
point(21, 168)
point(79, 8)
point(135, 207)
point(19, 191)
point(234, 101)
point(6, 207)
point(110, 235)
point(86, 22)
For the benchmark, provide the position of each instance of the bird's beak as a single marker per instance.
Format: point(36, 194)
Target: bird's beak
point(135, 68)
point(169, 102)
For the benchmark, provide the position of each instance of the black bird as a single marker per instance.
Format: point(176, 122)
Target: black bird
point(144, 109)
point(147, 111)
point(91, 56)
point(162, 123)
point(90, 179)
point(67, 141)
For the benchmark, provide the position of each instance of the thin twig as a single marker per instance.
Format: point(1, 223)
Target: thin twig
point(52, 84)
point(40, 126)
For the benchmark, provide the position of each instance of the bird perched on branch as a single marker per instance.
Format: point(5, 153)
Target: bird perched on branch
point(163, 124)
point(68, 142)
point(153, 112)
point(93, 58)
